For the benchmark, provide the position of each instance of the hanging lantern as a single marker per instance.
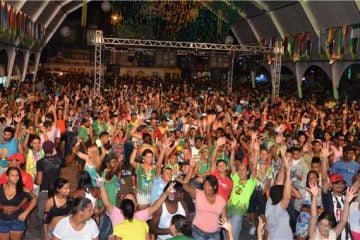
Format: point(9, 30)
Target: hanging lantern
point(106, 6)
point(65, 31)
point(229, 39)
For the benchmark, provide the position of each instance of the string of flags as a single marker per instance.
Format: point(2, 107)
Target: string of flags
point(333, 43)
point(14, 23)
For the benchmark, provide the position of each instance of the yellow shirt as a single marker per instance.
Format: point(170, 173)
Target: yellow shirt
point(134, 230)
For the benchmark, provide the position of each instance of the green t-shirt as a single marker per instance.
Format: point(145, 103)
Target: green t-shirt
point(83, 134)
point(99, 127)
point(240, 195)
point(111, 187)
point(181, 238)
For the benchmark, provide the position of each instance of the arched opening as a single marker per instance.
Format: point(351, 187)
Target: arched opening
point(3, 63)
point(316, 82)
point(17, 68)
point(263, 78)
point(349, 85)
point(288, 82)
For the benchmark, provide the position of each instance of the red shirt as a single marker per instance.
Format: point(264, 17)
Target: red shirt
point(26, 178)
point(225, 185)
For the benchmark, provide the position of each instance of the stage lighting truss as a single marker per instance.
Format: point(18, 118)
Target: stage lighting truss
point(182, 48)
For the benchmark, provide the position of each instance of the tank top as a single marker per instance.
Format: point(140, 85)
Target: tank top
point(145, 179)
point(165, 219)
point(92, 172)
point(56, 211)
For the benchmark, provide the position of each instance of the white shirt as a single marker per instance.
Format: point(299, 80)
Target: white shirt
point(64, 231)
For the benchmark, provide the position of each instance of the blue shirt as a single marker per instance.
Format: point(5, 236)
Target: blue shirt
point(346, 169)
point(10, 146)
point(157, 189)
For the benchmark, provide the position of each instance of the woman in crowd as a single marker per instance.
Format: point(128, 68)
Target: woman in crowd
point(323, 226)
point(145, 173)
point(79, 225)
point(208, 205)
point(57, 206)
point(13, 196)
point(131, 228)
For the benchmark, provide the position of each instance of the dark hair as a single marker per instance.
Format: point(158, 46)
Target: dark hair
point(103, 134)
point(58, 184)
point(84, 180)
point(107, 160)
point(307, 176)
point(128, 208)
point(50, 116)
point(212, 181)
point(146, 151)
point(327, 216)
point(10, 130)
point(182, 225)
point(20, 183)
point(47, 124)
point(177, 187)
point(146, 137)
point(221, 160)
point(276, 193)
point(315, 160)
point(79, 204)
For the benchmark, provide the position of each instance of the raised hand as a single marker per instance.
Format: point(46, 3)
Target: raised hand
point(325, 150)
point(313, 189)
point(225, 224)
point(99, 181)
point(350, 194)
point(220, 142)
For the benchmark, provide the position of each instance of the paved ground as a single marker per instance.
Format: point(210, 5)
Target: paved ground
point(34, 234)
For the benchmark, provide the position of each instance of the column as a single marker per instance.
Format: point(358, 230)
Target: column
point(25, 64)
point(11, 52)
point(253, 78)
point(37, 60)
point(299, 72)
point(336, 72)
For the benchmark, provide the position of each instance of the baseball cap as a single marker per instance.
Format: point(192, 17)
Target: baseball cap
point(336, 178)
point(18, 157)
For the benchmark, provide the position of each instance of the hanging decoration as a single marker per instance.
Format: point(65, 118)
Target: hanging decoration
point(84, 13)
point(170, 20)
point(331, 34)
point(106, 6)
point(354, 41)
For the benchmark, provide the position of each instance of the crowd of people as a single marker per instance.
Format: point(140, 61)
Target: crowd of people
point(197, 162)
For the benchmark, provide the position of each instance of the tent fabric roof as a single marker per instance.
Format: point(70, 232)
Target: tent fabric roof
point(250, 20)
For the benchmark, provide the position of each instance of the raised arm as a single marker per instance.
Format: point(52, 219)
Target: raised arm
point(325, 153)
point(158, 203)
point(350, 194)
point(220, 142)
point(287, 186)
point(232, 157)
point(133, 155)
point(314, 190)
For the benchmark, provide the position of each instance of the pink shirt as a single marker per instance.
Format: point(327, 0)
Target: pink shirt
point(117, 217)
point(207, 215)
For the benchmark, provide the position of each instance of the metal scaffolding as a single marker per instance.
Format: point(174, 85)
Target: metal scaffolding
point(182, 49)
point(276, 69)
point(98, 74)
